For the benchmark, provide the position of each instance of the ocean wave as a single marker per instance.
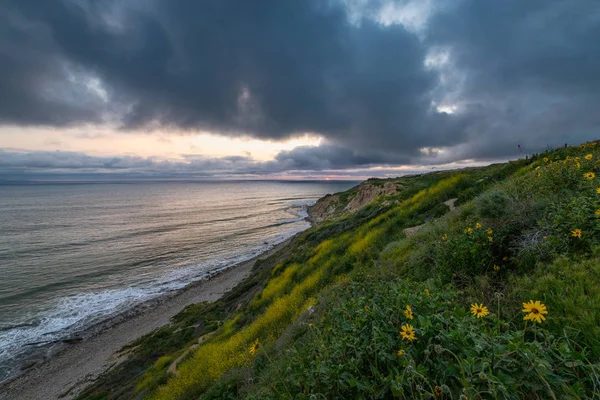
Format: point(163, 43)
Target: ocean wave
point(74, 314)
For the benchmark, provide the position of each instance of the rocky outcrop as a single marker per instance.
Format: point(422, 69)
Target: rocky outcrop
point(367, 192)
point(324, 208)
point(335, 205)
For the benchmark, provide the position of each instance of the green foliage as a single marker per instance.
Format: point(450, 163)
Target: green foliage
point(570, 289)
point(465, 195)
point(494, 204)
point(155, 375)
point(356, 352)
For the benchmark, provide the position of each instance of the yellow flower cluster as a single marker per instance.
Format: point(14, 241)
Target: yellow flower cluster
point(408, 312)
point(479, 310)
point(574, 161)
point(588, 145)
point(408, 333)
point(469, 230)
point(535, 311)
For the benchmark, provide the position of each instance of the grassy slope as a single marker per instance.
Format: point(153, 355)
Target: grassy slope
point(361, 272)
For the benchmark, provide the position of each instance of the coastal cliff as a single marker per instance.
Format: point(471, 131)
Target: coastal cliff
point(495, 295)
point(336, 205)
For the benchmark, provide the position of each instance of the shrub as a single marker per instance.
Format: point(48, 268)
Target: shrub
point(493, 204)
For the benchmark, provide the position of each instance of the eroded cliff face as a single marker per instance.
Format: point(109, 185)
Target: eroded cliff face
point(324, 208)
point(336, 205)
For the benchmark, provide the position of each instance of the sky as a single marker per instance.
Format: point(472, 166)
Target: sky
point(295, 89)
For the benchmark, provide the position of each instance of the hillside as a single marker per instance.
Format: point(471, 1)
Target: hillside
point(494, 295)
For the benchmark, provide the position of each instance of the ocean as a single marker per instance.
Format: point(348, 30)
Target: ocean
point(74, 255)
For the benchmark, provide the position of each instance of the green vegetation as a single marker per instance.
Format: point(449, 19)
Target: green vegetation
point(435, 314)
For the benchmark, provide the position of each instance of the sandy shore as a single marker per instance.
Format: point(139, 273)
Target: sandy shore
point(78, 364)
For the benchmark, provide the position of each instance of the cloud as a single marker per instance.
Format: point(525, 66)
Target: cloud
point(524, 72)
point(266, 69)
point(307, 162)
point(379, 80)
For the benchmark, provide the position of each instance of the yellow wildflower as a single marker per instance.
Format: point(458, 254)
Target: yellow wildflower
point(366, 309)
point(538, 174)
point(598, 190)
point(477, 225)
point(597, 212)
point(445, 236)
point(408, 312)
point(254, 348)
point(469, 230)
point(490, 239)
point(496, 267)
point(408, 333)
point(400, 353)
point(545, 159)
point(310, 325)
point(589, 175)
point(489, 231)
point(427, 292)
point(537, 168)
point(438, 392)
point(577, 233)
point(589, 157)
point(504, 258)
point(535, 310)
point(479, 310)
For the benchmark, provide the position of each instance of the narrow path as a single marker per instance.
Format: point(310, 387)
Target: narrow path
point(173, 367)
point(413, 230)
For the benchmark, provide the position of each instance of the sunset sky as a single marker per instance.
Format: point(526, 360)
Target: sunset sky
point(295, 89)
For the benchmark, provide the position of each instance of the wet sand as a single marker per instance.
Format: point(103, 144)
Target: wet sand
point(76, 365)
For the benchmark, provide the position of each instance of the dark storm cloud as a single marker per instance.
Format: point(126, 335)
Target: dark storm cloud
point(520, 72)
point(264, 68)
point(32, 70)
point(528, 71)
point(323, 157)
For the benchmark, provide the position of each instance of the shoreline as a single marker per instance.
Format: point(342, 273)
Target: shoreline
point(80, 360)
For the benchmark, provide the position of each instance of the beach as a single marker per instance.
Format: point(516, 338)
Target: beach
point(73, 367)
